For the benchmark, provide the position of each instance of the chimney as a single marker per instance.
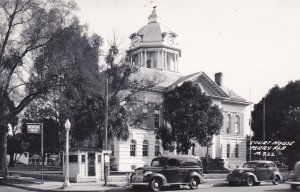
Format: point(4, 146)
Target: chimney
point(219, 78)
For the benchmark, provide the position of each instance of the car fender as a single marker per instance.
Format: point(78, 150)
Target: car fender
point(277, 173)
point(129, 176)
point(162, 177)
point(251, 174)
point(200, 177)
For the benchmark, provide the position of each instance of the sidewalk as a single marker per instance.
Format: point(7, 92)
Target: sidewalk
point(33, 184)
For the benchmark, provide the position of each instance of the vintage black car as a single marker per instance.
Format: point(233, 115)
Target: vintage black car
point(294, 177)
point(253, 172)
point(167, 171)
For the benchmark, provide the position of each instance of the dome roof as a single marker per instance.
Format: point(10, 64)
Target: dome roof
point(153, 31)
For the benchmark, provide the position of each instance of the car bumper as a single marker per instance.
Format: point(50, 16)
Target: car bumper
point(235, 179)
point(137, 180)
point(293, 182)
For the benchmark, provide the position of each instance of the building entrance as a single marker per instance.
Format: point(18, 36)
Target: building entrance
point(91, 164)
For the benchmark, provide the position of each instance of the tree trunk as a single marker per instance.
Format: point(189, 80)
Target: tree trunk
point(3, 149)
point(11, 160)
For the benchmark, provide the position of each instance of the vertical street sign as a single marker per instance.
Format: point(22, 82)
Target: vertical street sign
point(37, 128)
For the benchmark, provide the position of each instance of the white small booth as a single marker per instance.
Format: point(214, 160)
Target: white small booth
point(86, 164)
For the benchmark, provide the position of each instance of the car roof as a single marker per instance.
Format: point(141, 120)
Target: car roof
point(180, 157)
point(260, 161)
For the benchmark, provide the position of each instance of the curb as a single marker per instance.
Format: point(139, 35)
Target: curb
point(114, 188)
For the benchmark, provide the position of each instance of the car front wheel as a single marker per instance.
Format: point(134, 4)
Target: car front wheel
point(194, 183)
point(249, 181)
point(276, 180)
point(155, 185)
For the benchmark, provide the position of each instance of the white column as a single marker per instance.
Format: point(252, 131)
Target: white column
point(176, 62)
point(157, 61)
point(165, 58)
point(145, 58)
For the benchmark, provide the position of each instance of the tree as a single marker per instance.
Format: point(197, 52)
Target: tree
point(27, 26)
point(191, 116)
point(16, 145)
point(281, 117)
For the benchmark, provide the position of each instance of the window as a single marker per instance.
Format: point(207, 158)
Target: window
point(262, 165)
point(145, 148)
point(156, 116)
point(228, 123)
point(99, 158)
point(156, 120)
point(157, 148)
point(237, 125)
point(132, 148)
point(82, 158)
point(149, 63)
point(173, 162)
point(236, 150)
point(133, 167)
point(112, 148)
point(228, 150)
point(73, 158)
point(271, 165)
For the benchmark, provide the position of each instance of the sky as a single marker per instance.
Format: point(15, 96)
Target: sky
point(254, 43)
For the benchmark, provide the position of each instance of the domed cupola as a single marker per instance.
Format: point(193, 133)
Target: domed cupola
point(154, 46)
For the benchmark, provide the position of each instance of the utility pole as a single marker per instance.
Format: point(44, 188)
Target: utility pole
point(105, 127)
point(264, 122)
point(250, 123)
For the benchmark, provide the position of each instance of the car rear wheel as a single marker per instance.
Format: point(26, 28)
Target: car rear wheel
point(155, 184)
point(276, 180)
point(293, 186)
point(250, 181)
point(194, 183)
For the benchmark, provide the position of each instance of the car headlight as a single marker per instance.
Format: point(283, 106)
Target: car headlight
point(241, 171)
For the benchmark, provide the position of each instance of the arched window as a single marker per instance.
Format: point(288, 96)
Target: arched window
point(132, 147)
point(145, 148)
point(157, 148)
point(228, 126)
point(237, 150)
point(228, 150)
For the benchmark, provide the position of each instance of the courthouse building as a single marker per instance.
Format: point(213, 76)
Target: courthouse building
point(154, 48)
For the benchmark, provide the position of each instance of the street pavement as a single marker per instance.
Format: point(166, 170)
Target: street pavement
point(10, 189)
point(213, 185)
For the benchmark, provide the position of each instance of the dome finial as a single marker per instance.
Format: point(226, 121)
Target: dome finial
point(153, 16)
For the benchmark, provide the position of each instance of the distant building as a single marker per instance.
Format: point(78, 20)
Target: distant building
point(155, 50)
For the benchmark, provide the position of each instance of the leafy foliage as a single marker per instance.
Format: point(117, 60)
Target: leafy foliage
point(281, 117)
point(26, 27)
point(191, 116)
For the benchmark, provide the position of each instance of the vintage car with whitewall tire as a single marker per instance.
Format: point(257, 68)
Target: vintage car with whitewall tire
point(169, 171)
point(254, 172)
point(294, 177)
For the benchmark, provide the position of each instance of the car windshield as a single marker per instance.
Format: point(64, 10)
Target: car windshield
point(158, 162)
point(250, 165)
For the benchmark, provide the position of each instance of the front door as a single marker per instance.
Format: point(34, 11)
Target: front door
point(171, 171)
point(91, 164)
point(261, 171)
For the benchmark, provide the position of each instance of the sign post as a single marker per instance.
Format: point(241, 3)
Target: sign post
point(37, 128)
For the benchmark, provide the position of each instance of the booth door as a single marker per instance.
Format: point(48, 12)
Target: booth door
point(91, 164)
